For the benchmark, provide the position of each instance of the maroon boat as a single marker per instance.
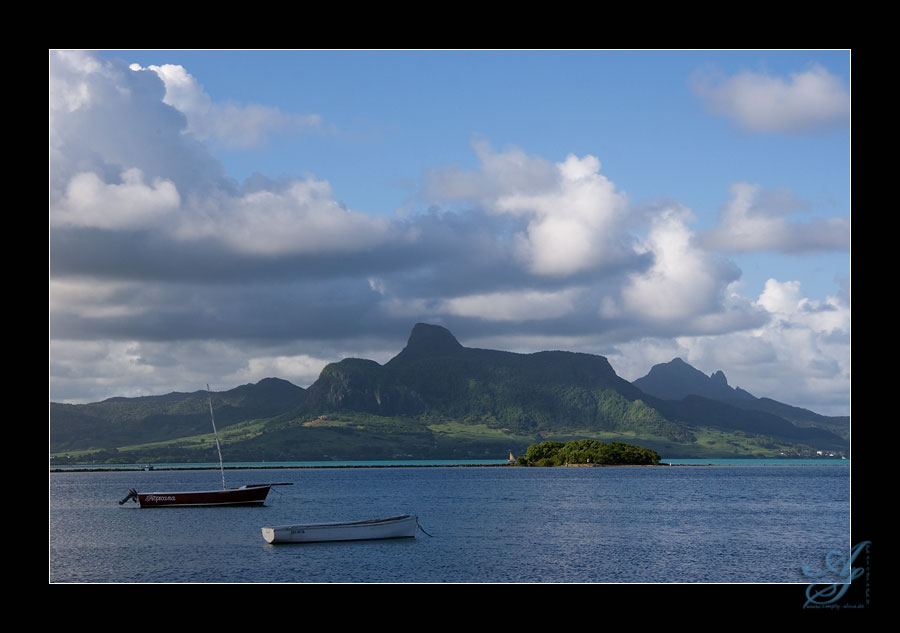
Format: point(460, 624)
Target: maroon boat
point(249, 495)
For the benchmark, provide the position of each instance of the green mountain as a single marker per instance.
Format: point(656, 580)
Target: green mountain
point(128, 421)
point(435, 373)
point(435, 399)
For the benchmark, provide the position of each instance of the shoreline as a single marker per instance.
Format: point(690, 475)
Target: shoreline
point(96, 469)
point(88, 468)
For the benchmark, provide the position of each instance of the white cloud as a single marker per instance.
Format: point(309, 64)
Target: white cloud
point(89, 202)
point(115, 368)
point(107, 120)
point(231, 124)
point(574, 216)
point(800, 356)
point(123, 159)
point(500, 174)
point(807, 101)
point(754, 221)
point(69, 91)
point(781, 298)
point(301, 217)
point(574, 227)
point(683, 281)
point(93, 298)
point(300, 369)
point(238, 126)
point(520, 305)
point(186, 95)
point(410, 309)
point(785, 301)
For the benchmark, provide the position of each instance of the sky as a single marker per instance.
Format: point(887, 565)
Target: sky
point(219, 217)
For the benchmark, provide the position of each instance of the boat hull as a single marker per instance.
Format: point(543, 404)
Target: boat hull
point(243, 496)
point(393, 527)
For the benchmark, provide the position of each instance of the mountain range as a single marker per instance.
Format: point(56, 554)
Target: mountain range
point(438, 399)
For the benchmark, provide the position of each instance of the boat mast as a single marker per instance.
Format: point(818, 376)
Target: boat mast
point(218, 448)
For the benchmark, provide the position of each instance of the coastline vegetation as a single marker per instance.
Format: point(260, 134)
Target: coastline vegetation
point(587, 452)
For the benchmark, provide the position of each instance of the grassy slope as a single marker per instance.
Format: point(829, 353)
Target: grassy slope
point(359, 436)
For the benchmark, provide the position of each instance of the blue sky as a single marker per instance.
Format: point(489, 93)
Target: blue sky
point(222, 216)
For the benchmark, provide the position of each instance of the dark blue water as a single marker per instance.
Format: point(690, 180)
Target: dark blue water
point(721, 524)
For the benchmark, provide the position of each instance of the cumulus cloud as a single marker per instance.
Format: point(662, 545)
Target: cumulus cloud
point(683, 284)
point(301, 216)
point(69, 88)
point(107, 120)
point(801, 355)
point(126, 156)
point(786, 302)
point(807, 101)
point(501, 173)
point(574, 215)
point(754, 221)
point(186, 95)
point(231, 124)
point(130, 203)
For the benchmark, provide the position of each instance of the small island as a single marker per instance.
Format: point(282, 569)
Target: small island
point(587, 453)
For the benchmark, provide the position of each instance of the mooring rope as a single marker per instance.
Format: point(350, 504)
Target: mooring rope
point(421, 528)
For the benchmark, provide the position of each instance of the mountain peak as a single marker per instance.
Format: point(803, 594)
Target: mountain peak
point(431, 339)
point(677, 379)
point(719, 378)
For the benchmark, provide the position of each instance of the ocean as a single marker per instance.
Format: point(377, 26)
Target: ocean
point(730, 522)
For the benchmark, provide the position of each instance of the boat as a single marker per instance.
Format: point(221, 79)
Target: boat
point(250, 495)
point(403, 526)
point(247, 495)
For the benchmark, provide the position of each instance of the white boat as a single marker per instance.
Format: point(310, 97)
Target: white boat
point(403, 526)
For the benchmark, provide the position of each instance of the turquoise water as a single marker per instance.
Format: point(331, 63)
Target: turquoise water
point(318, 464)
point(758, 462)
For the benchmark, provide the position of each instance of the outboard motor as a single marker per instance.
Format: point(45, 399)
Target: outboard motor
point(132, 494)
